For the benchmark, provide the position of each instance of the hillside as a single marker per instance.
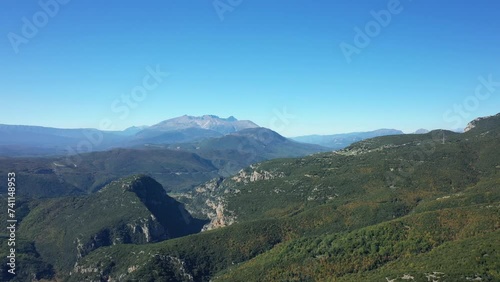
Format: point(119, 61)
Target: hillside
point(134, 210)
point(287, 248)
point(396, 206)
point(85, 173)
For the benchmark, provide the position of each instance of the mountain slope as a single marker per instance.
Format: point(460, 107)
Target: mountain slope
point(133, 210)
point(153, 136)
point(384, 169)
point(240, 149)
point(390, 249)
point(296, 252)
point(85, 173)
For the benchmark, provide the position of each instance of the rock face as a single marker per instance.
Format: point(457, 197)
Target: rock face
point(211, 204)
point(471, 124)
point(210, 199)
point(256, 175)
point(139, 231)
point(221, 217)
point(484, 121)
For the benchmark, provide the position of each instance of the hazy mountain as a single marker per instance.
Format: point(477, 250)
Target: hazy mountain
point(190, 129)
point(421, 131)
point(209, 122)
point(340, 141)
point(154, 136)
point(20, 140)
point(234, 151)
point(133, 130)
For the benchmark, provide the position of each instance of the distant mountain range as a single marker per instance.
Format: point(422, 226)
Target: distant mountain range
point(35, 141)
point(178, 158)
point(340, 141)
point(22, 140)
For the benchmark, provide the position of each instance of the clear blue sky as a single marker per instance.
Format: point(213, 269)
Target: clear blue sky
point(262, 57)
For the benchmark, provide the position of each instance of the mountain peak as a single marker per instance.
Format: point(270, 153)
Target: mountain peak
point(209, 122)
point(421, 131)
point(231, 118)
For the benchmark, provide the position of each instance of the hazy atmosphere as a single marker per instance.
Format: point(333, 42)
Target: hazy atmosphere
point(327, 67)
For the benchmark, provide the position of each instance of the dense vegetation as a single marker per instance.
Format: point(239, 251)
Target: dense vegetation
point(134, 210)
point(334, 256)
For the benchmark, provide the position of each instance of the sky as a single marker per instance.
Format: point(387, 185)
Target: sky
point(298, 67)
